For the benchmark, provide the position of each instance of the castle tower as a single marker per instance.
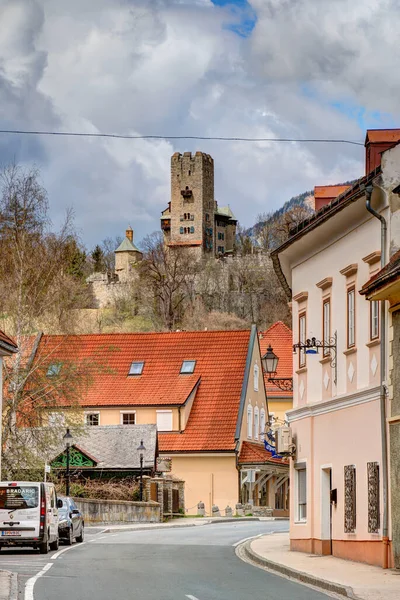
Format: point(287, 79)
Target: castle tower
point(192, 201)
point(126, 255)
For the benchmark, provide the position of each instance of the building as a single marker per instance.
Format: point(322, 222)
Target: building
point(279, 392)
point(193, 218)
point(204, 391)
point(7, 348)
point(339, 499)
point(127, 256)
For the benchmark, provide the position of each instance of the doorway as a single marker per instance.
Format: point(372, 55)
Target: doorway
point(326, 510)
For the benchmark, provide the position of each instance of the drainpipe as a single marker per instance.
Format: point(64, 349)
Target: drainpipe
point(385, 537)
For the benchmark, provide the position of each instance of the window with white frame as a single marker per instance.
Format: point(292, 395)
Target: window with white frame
point(55, 419)
point(136, 368)
point(302, 339)
point(351, 317)
point(374, 319)
point(128, 417)
point(256, 423)
point(92, 418)
point(262, 423)
point(301, 476)
point(256, 374)
point(164, 420)
point(249, 421)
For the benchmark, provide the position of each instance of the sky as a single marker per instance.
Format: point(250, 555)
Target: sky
point(239, 68)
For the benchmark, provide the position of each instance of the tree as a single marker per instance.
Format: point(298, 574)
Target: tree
point(169, 275)
point(98, 259)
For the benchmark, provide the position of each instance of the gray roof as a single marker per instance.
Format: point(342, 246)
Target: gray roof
point(112, 446)
point(127, 246)
point(226, 212)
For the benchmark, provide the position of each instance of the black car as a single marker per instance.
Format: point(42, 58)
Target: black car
point(70, 522)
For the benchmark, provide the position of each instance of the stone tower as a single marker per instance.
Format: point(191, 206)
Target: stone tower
point(126, 256)
point(192, 200)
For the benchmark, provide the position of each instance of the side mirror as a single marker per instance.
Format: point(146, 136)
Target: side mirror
point(76, 512)
point(59, 503)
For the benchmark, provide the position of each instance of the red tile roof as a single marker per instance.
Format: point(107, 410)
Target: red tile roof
point(256, 454)
point(281, 339)
point(220, 364)
point(8, 341)
point(329, 191)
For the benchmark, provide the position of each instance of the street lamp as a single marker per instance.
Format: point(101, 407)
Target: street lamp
point(68, 440)
point(141, 449)
point(270, 365)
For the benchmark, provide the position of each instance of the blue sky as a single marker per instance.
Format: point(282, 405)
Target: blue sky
point(244, 16)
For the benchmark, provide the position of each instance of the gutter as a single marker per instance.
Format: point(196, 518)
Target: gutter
point(385, 479)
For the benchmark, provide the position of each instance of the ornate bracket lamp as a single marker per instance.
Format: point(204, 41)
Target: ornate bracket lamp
point(312, 346)
point(270, 364)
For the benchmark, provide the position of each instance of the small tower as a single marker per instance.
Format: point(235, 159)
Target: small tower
point(126, 255)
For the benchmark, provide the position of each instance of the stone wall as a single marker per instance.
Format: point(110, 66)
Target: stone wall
point(118, 511)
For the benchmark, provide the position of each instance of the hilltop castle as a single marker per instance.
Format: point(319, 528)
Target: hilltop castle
point(193, 218)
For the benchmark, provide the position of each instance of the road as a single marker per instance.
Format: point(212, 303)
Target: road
point(195, 563)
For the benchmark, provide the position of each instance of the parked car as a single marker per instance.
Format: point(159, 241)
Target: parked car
point(71, 525)
point(29, 515)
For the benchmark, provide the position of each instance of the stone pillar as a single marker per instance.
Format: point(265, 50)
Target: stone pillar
point(228, 511)
point(146, 488)
point(181, 488)
point(201, 509)
point(168, 486)
point(215, 511)
point(239, 510)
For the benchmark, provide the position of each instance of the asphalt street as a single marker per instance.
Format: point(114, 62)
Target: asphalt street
point(194, 563)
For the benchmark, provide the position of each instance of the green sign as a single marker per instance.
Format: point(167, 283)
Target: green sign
point(76, 459)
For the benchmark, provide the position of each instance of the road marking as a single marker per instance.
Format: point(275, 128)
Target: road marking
point(252, 537)
point(31, 582)
point(191, 597)
point(57, 554)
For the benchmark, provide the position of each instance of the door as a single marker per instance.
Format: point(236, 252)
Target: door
point(326, 510)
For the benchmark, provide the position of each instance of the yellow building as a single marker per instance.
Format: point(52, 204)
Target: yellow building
point(205, 392)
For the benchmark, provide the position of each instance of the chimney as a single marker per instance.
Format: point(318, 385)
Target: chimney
point(376, 142)
point(323, 194)
point(129, 234)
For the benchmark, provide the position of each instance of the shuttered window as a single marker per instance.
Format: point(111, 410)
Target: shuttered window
point(164, 420)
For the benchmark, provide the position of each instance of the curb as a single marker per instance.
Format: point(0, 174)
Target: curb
point(149, 527)
point(9, 577)
point(291, 573)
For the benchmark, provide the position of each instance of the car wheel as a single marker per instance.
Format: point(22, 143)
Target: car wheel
point(81, 537)
point(54, 545)
point(44, 548)
point(70, 537)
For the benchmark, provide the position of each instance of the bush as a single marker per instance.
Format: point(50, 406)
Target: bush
point(98, 489)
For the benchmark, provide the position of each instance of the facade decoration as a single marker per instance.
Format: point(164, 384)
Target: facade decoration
point(373, 497)
point(350, 513)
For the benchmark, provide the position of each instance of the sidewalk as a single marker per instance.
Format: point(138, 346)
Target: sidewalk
point(5, 585)
point(347, 578)
point(195, 522)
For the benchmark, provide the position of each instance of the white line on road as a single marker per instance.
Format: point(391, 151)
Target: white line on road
point(191, 597)
point(252, 537)
point(31, 582)
point(57, 554)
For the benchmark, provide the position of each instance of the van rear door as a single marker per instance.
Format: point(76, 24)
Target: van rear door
point(19, 510)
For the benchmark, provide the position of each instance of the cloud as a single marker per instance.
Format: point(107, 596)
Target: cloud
point(184, 67)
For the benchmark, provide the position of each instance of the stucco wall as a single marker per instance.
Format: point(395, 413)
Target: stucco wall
point(279, 407)
point(117, 511)
point(253, 397)
point(144, 415)
point(212, 479)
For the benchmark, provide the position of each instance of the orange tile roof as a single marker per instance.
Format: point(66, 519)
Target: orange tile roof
point(251, 453)
point(281, 339)
point(329, 191)
point(8, 341)
point(382, 135)
point(220, 364)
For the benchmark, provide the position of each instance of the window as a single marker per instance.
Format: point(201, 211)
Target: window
point(92, 419)
point(301, 494)
point(302, 339)
point(256, 372)
point(351, 318)
point(256, 423)
point(181, 230)
point(164, 420)
point(55, 419)
point(188, 367)
point(374, 319)
point(128, 417)
point(54, 370)
point(207, 217)
point(136, 368)
point(192, 229)
point(326, 325)
point(249, 421)
point(262, 423)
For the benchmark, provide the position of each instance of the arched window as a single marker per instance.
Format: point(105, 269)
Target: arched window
point(249, 421)
point(188, 216)
point(262, 423)
point(192, 229)
point(256, 372)
point(181, 230)
point(256, 423)
point(185, 216)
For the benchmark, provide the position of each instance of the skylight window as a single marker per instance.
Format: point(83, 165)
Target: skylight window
point(136, 368)
point(53, 370)
point(188, 366)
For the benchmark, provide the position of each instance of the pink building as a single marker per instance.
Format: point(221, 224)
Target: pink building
point(339, 473)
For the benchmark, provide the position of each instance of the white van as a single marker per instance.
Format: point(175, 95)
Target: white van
point(29, 515)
